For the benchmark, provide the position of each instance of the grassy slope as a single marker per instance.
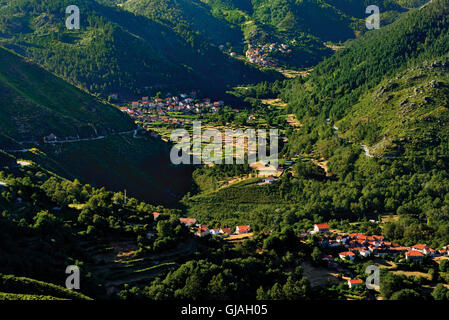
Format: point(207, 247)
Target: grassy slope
point(410, 109)
point(340, 89)
point(35, 103)
point(21, 288)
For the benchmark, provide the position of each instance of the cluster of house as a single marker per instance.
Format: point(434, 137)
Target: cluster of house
point(260, 54)
point(155, 109)
point(360, 244)
point(202, 230)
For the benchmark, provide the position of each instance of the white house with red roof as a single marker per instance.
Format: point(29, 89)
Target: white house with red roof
point(202, 232)
point(347, 255)
point(269, 180)
point(365, 253)
point(354, 283)
point(156, 215)
point(242, 229)
point(424, 249)
point(214, 231)
point(321, 227)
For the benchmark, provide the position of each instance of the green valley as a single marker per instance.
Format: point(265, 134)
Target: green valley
point(86, 178)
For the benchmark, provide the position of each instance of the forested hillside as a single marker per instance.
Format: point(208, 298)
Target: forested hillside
point(54, 223)
point(123, 251)
point(386, 92)
point(89, 139)
point(305, 25)
point(116, 51)
point(386, 85)
point(35, 103)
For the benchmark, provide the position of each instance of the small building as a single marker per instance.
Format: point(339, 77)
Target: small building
point(347, 255)
point(334, 244)
point(364, 253)
point(51, 138)
point(156, 215)
point(414, 255)
point(242, 229)
point(187, 221)
point(421, 248)
point(214, 231)
point(202, 232)
point(354, 283)
point(269, 180)
point(321, 227)
point(225, 231)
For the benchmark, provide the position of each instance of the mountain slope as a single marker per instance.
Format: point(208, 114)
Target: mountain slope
point(192, 15)
point(410, 111)
point(118, 51)
point(35, 104)
point(303, 25)
point(344, 83)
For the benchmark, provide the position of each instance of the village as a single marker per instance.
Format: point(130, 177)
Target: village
point(259, 55)
point(201, 230)
point(151, 110)
point(339, 248)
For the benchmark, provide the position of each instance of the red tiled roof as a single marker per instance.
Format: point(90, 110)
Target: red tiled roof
point(419, 246)
point(187, 220)
point(322, 226)
point(400, 248)
point(357, 235)
point(413, 253)
point(355, 281)
point(347, 253)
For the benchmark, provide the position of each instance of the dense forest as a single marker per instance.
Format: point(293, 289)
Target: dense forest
point(116, 51)
point(142, 47)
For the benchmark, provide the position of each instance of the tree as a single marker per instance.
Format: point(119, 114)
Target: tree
point(316, 254)
point(164, 228)
point(405, 294)
point(389, 284)
point(444, 266)
point(45, 221)
point(294, 290)
point(440, 292)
